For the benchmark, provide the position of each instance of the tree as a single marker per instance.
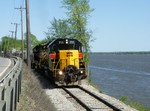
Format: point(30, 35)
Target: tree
point(43, 41)
point(78, 14)
point(34, 40)
point(58, 29)
point(7, 43)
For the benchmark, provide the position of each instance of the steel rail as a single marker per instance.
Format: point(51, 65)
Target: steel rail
point(78, 100)
point(91, 94)
point(100, 99)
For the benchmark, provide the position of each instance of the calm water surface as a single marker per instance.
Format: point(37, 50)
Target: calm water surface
point(122, 75)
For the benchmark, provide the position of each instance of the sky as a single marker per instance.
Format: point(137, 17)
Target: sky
point(117, 25)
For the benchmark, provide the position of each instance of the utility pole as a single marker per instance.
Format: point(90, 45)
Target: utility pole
point(28, 34)
point(5, 47)
point(12, 34)
point(7, 44)
point(16, 24)
point(22, 40)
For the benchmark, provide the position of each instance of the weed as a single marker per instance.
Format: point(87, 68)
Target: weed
point(134, 104)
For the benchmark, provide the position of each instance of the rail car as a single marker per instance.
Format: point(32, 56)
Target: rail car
point(62, 59)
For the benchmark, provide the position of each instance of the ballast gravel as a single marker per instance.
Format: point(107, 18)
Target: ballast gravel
point(60, 101)
point(108, 98)
point(63, 102)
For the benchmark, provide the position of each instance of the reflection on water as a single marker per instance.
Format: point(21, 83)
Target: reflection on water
point(122, 75)
point(117, 70)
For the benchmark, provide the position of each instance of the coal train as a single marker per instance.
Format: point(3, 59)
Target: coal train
point(61, 59)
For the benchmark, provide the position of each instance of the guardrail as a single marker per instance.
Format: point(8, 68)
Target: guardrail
point(10, 87)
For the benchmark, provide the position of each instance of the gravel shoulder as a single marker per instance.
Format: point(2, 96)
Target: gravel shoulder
point(33, 96)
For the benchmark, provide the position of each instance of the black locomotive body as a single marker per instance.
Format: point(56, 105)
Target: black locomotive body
point(62, 59)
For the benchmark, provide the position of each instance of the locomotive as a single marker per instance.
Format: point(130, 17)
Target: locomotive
point(62, 59)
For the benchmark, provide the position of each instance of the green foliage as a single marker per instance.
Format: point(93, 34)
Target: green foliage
point(123, 98)
point(59, 29)
point(43, 41)
point(33, 39)
point(78, 13)
point(8, 43)
point(134, 104)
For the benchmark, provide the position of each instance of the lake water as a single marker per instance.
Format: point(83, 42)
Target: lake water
point(122, 75)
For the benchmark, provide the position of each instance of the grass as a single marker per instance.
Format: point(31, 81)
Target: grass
point(134, 104)
point(33, 97)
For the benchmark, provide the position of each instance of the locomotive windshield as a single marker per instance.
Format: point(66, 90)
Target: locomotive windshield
point(66, 45)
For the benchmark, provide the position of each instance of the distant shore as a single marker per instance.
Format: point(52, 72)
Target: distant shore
point(140, 52)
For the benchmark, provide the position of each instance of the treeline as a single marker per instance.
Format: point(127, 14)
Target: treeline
point(9, 43)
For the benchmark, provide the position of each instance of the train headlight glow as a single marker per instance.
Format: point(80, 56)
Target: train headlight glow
point(66, 41)
point(60, 72)
point(81, 72)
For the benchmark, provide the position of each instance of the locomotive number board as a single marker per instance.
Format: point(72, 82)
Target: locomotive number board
point(69, 54)
point(66, 42)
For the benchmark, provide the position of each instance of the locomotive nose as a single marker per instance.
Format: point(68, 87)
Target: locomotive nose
point(69, 58)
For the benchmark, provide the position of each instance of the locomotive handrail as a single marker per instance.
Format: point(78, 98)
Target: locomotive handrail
point(56, 66)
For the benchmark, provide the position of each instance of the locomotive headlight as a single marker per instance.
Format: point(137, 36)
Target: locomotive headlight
point(66, 41)
point(60, 73)
point(81, 71)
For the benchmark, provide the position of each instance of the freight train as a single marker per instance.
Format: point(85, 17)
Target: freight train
point(62, 59)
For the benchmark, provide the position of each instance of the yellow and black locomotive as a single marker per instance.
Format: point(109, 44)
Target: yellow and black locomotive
point(62, 59)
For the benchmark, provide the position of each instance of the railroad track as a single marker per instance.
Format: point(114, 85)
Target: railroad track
point(88, 100)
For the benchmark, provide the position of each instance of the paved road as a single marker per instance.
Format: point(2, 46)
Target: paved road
point(4, 65)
